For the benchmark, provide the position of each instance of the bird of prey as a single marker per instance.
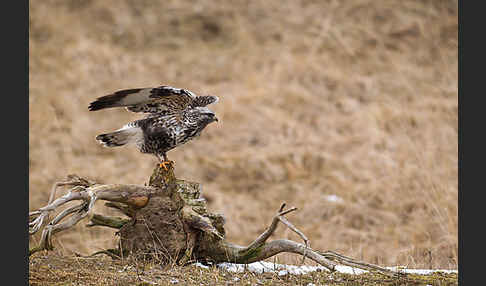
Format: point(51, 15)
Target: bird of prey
point(174, 116)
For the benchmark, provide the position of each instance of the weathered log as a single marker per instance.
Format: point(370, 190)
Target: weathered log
point(169, 221)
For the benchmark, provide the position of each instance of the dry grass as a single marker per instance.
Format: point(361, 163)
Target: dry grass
point(356, 99)
point(55, 269)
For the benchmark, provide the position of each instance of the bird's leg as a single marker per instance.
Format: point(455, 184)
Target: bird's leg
point(163, 162)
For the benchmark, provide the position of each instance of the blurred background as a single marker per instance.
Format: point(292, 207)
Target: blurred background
point(347, 110)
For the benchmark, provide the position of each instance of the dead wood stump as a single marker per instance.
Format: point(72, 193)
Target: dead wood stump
point(170, 222)
point(168, 226)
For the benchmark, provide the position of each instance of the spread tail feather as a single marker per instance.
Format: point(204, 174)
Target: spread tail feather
point(121, 137)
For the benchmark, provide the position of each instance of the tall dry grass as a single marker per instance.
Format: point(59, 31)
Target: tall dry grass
point(354, 101)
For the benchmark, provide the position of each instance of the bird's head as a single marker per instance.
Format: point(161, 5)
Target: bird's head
point(203, 115)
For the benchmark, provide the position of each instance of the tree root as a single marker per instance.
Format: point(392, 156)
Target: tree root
point(176, 213)
point(88, 192)
point(259, 249)
point(113, 222)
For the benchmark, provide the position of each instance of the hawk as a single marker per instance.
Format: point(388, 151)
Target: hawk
point(173, 117)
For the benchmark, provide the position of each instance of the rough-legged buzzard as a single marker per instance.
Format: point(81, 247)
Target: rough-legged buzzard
point(175, 116)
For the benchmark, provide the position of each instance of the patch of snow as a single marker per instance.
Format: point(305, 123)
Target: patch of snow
point(199, 264)
point(349, 270)
point(333, 199)
point(264, 267)
point(283, 269)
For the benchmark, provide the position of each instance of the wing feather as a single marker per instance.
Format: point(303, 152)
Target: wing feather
point(152, 100)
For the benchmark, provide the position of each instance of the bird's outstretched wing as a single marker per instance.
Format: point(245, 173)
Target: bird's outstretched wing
point(204, 100)
point(150, 100)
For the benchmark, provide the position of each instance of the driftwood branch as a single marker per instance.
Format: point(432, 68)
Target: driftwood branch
point(259, 249)
point(170, 221)
point(132, 195)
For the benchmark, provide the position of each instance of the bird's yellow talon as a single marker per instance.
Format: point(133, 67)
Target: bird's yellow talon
point(163, 164)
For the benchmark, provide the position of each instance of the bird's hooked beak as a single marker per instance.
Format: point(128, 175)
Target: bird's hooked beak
point(215, 119)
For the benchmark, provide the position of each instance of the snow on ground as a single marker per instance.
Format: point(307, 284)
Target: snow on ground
point(283, 269)
point(333, 199)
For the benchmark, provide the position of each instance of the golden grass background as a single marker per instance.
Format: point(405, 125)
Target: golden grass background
point(318, 99)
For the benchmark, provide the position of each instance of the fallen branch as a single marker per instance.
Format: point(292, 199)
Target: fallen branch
point(169, 221)
point(259, 249)
point(132, 195)
point(113, 222)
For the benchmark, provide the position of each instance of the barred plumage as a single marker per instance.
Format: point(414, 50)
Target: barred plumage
point(152, 100)
point(175, 117)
